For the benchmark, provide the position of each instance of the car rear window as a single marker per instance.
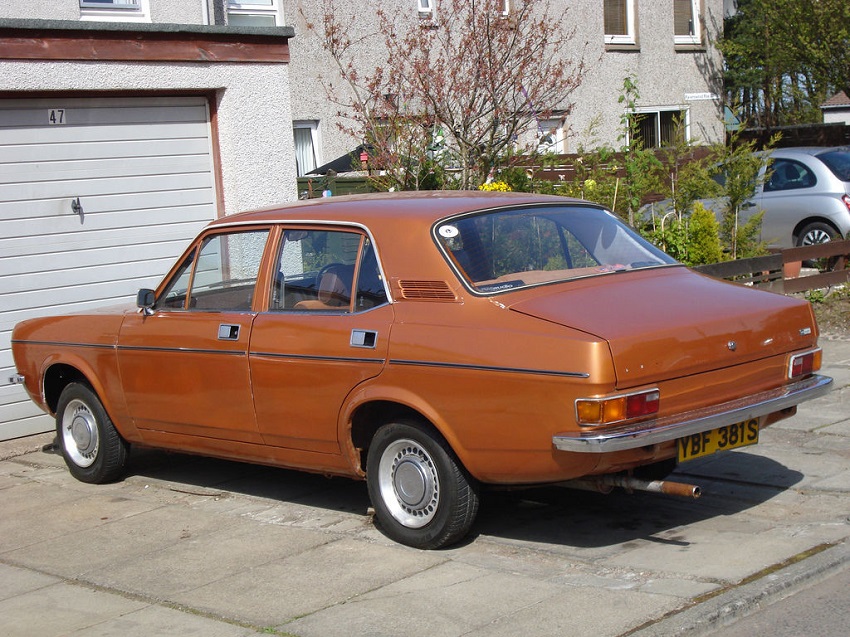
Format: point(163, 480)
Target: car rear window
point(505, 249)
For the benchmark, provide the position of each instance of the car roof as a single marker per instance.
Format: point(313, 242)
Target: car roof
point(423, 207)
point(792, 151)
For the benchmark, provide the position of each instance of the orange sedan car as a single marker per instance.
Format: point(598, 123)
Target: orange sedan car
point(429, 343)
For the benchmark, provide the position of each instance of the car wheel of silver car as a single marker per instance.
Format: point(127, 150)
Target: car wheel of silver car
point(422, 495)
point(93, 449)
point(813, 234)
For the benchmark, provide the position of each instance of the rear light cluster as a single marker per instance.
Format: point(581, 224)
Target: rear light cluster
point(846, 199)
point(619, 408)
point(804, 364)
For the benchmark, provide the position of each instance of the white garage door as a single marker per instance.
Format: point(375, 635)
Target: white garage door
point(97, 198)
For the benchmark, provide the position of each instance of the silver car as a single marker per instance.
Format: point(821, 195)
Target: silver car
point(806, 197)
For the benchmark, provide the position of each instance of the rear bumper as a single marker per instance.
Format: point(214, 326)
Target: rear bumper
point(651, 432)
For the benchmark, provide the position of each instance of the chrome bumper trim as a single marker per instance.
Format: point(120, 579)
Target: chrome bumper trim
point(651, 432)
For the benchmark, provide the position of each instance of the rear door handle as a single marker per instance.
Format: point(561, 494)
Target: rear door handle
point(228, 332)
point(364, 338)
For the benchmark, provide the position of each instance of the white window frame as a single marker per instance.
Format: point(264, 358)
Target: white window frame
point(315, 138)
point(657, 111)
point(630, 36)
point(504, 7)
point(696, 36)
point(554, 126)
point(425, 9)
point(117, 11)
point(275, 10)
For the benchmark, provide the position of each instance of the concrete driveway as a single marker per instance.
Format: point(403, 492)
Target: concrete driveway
point(188, 546)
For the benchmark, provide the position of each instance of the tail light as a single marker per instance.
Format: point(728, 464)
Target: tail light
point(611, 409)
point(804, 364)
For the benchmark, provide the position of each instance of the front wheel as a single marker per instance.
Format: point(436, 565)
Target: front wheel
point(93, 449)
point(422, 495)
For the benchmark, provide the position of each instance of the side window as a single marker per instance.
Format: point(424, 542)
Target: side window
point(316, 270)
point(222, 277)
point(786, 174)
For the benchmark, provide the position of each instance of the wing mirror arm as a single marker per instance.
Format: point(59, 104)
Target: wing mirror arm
point(145, 301)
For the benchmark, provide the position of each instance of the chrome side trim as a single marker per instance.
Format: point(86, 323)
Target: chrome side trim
point(488, 368)
point(651, 432)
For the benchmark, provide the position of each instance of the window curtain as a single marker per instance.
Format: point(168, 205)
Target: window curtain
point(305, 156)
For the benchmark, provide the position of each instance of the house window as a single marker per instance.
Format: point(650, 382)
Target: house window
point(619, 19)
point(657, 128)
point(306, 146)
point(550, 136)
point(254, 13)
point(504, 7)
point(425, 8)
point(686, 23)
point(115, 10)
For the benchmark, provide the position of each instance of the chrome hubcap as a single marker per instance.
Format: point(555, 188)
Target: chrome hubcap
point(408, 483)
point(79, 433)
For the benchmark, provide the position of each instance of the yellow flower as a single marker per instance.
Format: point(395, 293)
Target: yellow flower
point(495, 186)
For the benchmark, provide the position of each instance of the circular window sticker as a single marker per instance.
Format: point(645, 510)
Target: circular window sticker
point(448, 232)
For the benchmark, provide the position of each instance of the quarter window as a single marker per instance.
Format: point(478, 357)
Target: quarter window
point(619, 21)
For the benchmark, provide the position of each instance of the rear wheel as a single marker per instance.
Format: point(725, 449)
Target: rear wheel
point(91, 446)
point(813, 234)
point(422, 495)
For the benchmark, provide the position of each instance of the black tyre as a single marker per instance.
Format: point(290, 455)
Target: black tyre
point(422, 495)
point(816, 232)
point(90, 444)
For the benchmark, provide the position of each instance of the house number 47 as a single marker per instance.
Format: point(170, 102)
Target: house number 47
point(55, 116)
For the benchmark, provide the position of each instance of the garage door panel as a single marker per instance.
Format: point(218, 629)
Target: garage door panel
point(138, 184)
point(182, 205)
point(175, 233)
point(131, 148)
point(109, 134)
point(33, 172)
point(34, 264)
point(140, 268)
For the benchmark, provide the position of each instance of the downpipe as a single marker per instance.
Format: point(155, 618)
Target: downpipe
point(606, 483)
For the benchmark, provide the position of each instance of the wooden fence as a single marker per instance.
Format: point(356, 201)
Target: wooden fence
point(778, 272)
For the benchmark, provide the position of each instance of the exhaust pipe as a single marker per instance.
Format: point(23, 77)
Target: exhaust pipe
point(606, 483)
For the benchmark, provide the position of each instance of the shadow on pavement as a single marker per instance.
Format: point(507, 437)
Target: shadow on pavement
point(732, 482)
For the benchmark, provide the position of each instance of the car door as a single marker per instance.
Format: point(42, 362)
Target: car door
point(326, 331)
point(787, 197)
point(184, 364)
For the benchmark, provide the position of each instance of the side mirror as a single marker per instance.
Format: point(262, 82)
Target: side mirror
point(145, 300)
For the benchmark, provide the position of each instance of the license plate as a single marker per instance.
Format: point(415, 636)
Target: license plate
point(740, 434)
